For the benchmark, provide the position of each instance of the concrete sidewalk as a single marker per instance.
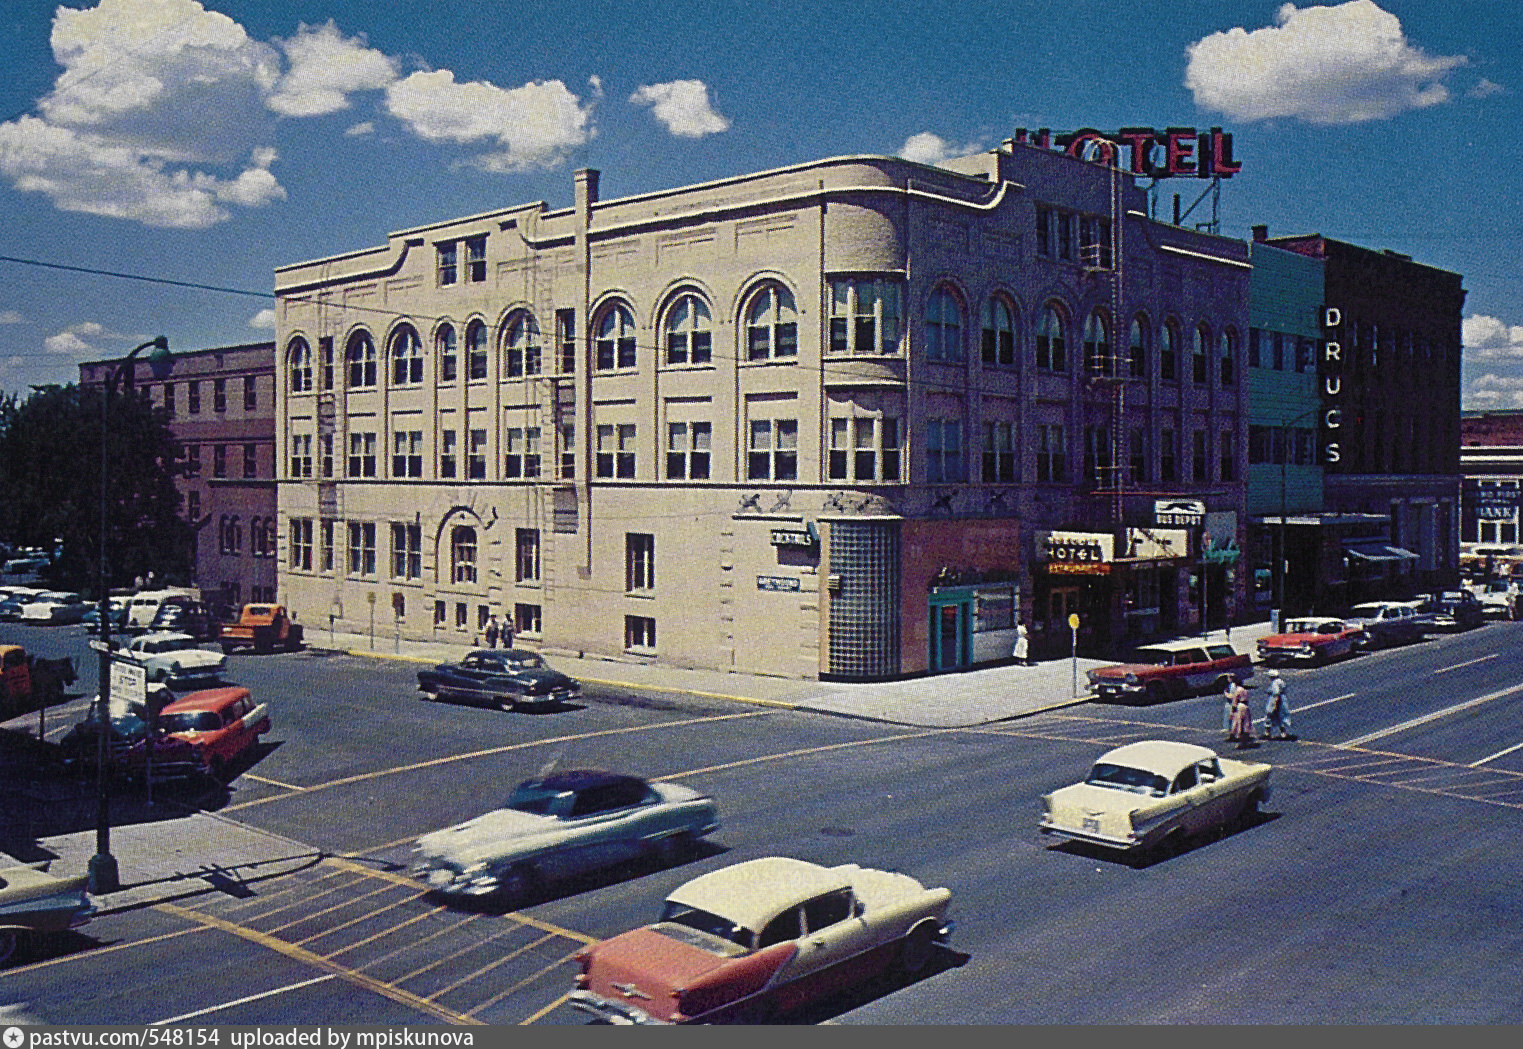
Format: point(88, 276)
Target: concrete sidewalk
point(954, 700)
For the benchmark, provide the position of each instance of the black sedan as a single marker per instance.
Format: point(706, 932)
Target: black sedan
point(510, 678)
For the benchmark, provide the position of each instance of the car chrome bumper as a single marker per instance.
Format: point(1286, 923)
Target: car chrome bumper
point(1095, 837)
point(451, 882)
point(610, 1011)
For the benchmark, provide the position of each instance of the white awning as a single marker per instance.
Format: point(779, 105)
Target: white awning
point(1376, 550)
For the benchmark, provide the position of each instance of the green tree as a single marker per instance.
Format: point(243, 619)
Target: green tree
point(50, 484)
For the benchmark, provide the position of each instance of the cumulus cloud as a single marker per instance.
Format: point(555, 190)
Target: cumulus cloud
point(1491, 392)
point(930, 148)
point(1485, 89)
point(325, 68)
point(1324, 65)
point(264, 319)
point(85, 337)
point(11, 317)
point(683, 106)
point(1488, 338)
point(531, 126)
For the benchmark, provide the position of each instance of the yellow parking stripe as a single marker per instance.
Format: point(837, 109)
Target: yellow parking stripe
point(413, 974)
point(362, 918)
point(546, 1011)
point(372, 963)
point(300, 919)
point(384, 932)
point(504, 959)
point(521, 984)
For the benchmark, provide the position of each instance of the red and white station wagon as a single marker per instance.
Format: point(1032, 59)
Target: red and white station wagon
point(1170, 670)
point(218, 723)
point(1311, 640)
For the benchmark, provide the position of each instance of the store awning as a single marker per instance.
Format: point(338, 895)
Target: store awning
point(1376, 550)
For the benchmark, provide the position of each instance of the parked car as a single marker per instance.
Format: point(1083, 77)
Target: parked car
point(1310, 640)
point(80, 746)
point(262, 627)
point(185, 615)
point(1170, 670)
point(1154, 796)
point(1386, 623)
point(1454, 610)
point(36, 903)
point(130, 751)
point(116, 606)
point(510, 678)
point(219, 724)
point(759, 939)
point(560, 825)
point(174, 659)
point(55, 606)
point(1496, 598)
point(21, 596)
point(145, 604)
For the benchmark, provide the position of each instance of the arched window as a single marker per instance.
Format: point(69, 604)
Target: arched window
point(476, 350)
point(1199, 369)
point(614, 345)
point(524, 354)
point(1050, 353)
point(772, 325)
point(463, 554)
point(1168, 352)
point(360, 361)
point(406, 357)
point(299, 362)
point(943, 326)
point(999, 332)
point(445, 346)
point(234, 535)
point(1137, 353)
point(1097, 344)
point(1229, 356)
point(689, 332)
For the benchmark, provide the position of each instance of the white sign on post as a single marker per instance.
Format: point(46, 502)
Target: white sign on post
point(129, 685)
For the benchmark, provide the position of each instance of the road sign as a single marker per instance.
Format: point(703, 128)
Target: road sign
point(1073, 621)
point(129, 685)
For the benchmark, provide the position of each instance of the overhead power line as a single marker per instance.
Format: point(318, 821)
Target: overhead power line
point(137, 276)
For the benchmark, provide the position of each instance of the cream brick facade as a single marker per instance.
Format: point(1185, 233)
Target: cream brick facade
point(624, 464)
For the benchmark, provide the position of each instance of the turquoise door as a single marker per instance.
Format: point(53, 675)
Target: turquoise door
point(951, 633)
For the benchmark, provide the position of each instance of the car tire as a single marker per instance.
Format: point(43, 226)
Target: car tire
point(1249, 814)
point(915, 949)
point(1155, 693)
point(518, 884)
point(673, 849)
point(8, 941)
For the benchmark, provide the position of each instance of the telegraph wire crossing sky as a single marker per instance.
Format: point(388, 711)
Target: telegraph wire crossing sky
point(202, 143)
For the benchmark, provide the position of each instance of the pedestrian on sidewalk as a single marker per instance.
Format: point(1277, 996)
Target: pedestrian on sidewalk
point(506, 632)
point(1022, 645)
point(1276, 709)
point(492, 631)
point(1242, 718)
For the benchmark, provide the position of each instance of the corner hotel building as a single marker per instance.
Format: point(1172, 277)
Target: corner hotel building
point(847, 419)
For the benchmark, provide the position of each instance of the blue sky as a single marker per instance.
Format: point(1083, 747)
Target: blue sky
point(210, 141)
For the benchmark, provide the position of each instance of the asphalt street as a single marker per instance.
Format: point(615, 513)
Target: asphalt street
point(1379, 887)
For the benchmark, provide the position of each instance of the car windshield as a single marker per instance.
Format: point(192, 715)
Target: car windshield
point(176, 644)
point(1451, 595)
point(1124, 777)
point(1154, 657)
point(525, 659)
point(533, 797)
point(1303, 626)
point(1365, 611)
point(681, 914)
point(190, 721)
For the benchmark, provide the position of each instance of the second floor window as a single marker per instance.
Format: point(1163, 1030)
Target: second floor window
point(300, 552)
point(522, 456)
point(639, 561)
point(689, 332)
point(362, 455)
point(406, 551)
point(407, 453)
point(300, 362)
point(463, 554)
point(1137, 353)
point(943, 450)
point(362, 548)
point(251, 460)
point(772, 325)
point(864, 316)
point(616, 450)
point(360, 361)
point(301, 455)
point(1198, 359)
point(687, 451)
point(1097, 345)
point(447, 453)
point(863, 448)
point(1168, 456)
point(325, 453)
point(476, 351)
point(527, 559)
point(219, 460)
point(1229, 357)
point(774, 450)
point(1168, 353)
point(476, 456)
point(1097, 455)
point(406, 357)
point(449, 360)
point(999, 333)
point(565, 339)
point(943, 327)
point(1051, 452)
point(615, 342)
point(999, 453)
point(1051, 353)
point(524, 351)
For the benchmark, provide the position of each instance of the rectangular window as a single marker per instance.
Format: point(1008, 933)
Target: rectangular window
point(1137, 449)
point(448, 256)
point(193, 459)
point(1097, 455)
point(462, 615)
point(1051, 453)
point(1065, 235)
point(565, 338)
point(528, 555)
point(687, 451)
point(169, 399)
point(639, 561)
point(301, 544)
point(301, 455)
point(1168, 456)
point(1278, 342)
point(616, 450)
point(447, 453)
point(483, 616)
point(1198, 360)
point(406, 551)
point(568, 451)
point(325, 549)
point(864, 316)
point(476, 259)
point(774, 450)
point(362, 548)
point(476, 457)
point(1198, 464)
point(639, 632)
point(193, 397)
point(251, 460)
point(325, 352)
point(219, 395)
point(1255, 350)
point(440, 613)
point(361, 455)
point(250, 394)
point(943, 451)
point(522, 456)
point(463, 554)
point(527, 620)
point(219, 460)
point(999, 453)
point(325, 450)
point(1043, 230)
point(193, 507)
point(407, 453)
point(1229, 456)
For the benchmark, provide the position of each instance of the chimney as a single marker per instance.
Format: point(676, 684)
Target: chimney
point(1260, 233)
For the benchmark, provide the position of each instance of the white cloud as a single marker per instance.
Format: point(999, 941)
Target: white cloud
point(1488, 338)
point(1325, 65)
point(263, 319)
point(683, 106)
point(364, 127)
point(1492, 391)
point(326, 67)
point(82, 338)
point(1485, 89)
point(927, 147)
point(11, 317)
point(535, 125)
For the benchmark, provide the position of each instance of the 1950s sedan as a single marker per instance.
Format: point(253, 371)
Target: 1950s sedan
point(1310, 640)
point(33, 902)
point(560, 825)
point(1155, 795)
point(510, 678)
point(758, 939)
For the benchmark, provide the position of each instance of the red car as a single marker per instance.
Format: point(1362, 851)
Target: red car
point(1315, 640)
point(218, 723)
point(1170, 670)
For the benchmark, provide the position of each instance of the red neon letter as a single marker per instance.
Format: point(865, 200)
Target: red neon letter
point(1221, 154)
point(1140, 140)
point(1180, 144)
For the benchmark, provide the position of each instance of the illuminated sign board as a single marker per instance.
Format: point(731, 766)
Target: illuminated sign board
point(1330, 372)
point(1171, 153)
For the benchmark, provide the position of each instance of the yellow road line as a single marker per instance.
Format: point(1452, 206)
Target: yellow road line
point(362, 918)
point(536, 1014)
point(526, 981)
point(271, 782)
point(503, 960)
point(473, 945)
point(303, 918)
point(488, 752)
point(372, 963)
point(320, 963)
point(385, 932)
point(97, 952)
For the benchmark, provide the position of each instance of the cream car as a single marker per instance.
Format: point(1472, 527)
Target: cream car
point(175, 659)
point(1155, 795)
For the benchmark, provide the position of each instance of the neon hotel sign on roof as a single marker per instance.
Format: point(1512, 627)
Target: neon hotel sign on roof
point(1170, 153)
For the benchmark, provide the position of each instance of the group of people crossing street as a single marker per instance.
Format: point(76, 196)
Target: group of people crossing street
point(1237, 714)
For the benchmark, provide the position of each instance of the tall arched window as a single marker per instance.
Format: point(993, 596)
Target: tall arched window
point(943, 326)
point(299, 364)
point(476, 350)
point(999, 332)
point(1168, 351)
point(360, 361)
point(614, 344)
point(446, 347)
point(689, 332)
point(1097, 344)
point(772, 325)
point(1229, 356)
point(524, 353)
point(1198, 358)
point(1050, 352)
point(463, 554)
point(1137, 352)
point(406, 357)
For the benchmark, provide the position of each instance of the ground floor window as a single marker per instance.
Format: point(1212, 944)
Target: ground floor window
point(639, 632)
point(526, 619)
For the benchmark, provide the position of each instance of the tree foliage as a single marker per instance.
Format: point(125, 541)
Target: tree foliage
point(50, 484)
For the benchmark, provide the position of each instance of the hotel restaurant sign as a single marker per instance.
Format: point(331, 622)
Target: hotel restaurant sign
point(1093, 553)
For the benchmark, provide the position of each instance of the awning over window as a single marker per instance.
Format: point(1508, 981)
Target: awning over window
point(1376, 550)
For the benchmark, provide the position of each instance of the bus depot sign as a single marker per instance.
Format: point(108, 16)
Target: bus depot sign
point(1171, 153)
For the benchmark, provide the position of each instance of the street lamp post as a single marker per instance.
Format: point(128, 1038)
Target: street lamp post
point(103, 871)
